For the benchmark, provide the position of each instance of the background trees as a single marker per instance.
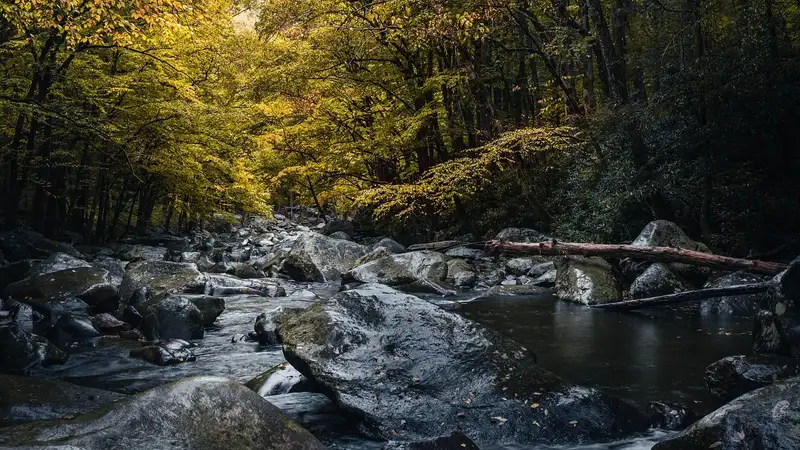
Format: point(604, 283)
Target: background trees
point(583, 118)
point(676, 109)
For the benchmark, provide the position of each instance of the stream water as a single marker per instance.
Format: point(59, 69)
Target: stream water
point(642, 357)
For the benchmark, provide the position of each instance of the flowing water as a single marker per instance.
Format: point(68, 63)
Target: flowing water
point(642, 357)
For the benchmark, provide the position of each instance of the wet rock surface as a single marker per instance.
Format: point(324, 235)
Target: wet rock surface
point(165, 353)
point(670, 416)
point(413, 271)
point(160, 278)
point(86, 283)
point(658, 279)
point(767, 418)
point(412, 372)
point(733, 376)
point(744, 305)
point(281, 379)
point(315, 257)
point(777, 323)
point(196, 413)
point(174, 317)
point(588, 281)
point(27, 399)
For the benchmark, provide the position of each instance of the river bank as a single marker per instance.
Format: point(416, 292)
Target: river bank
point(385, 338)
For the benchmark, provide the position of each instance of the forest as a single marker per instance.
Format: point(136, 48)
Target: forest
point(430, 118)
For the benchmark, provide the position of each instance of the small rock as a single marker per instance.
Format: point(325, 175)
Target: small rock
point(281, 379)
point(391, 245)
point(670, 416)
point(108, 324)
point(166, 353)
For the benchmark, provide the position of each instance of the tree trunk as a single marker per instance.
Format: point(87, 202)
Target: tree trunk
point(657, 254)
point(614, 67)
point(683, 297)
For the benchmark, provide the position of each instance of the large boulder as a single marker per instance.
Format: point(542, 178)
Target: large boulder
point(768, 418)
point(658, 279)
point(204, 413)
point(412, 371)
point(663, 233)
point(777, 324)
point(174, 317)
point(86, 283)
point(588, 281)
point(56, 263)
point(22, 350)
point(315, 257)
point(733, 376)
point(221, 285)
point(114, 266)
point(11, 273)
point(74, 328)
point(28, 399)
point(21, 244)
point(412, 271)
point(461, 273)
point(161, 278)
point(210, 307)
point(741, 305)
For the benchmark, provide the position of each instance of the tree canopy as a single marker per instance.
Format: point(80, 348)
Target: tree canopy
point(584, 118)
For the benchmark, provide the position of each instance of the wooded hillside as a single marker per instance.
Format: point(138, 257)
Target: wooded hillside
point(581, 118)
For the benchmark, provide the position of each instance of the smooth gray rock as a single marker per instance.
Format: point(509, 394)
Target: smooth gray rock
point(86, 283)
point(161, 278)
point(279, 380)
point(56, 263)
point(165, 353)
point(733, 376)
point(415, 372)
point(174, 317)
point(204, 413)
point(461, 273)
point(736, 305)
point(406, 268)
point(389, 244)
point(315, 257)
point(28, 399)
point(768, 418)
point(588, 281)
point(658, 279)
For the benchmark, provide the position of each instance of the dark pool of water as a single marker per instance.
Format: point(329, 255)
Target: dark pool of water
point(643, 356)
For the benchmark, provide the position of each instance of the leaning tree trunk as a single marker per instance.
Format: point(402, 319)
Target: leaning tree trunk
point(684, 297)
point(658, 254)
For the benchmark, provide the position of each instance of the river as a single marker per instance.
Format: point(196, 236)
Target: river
point(639, 356)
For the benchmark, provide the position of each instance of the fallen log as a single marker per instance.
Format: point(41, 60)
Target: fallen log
point(656, 254)
point(684, 297)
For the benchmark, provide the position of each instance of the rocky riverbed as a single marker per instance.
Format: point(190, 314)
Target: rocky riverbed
point(177, 341)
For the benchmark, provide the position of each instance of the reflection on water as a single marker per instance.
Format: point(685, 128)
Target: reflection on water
point(655, 355)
